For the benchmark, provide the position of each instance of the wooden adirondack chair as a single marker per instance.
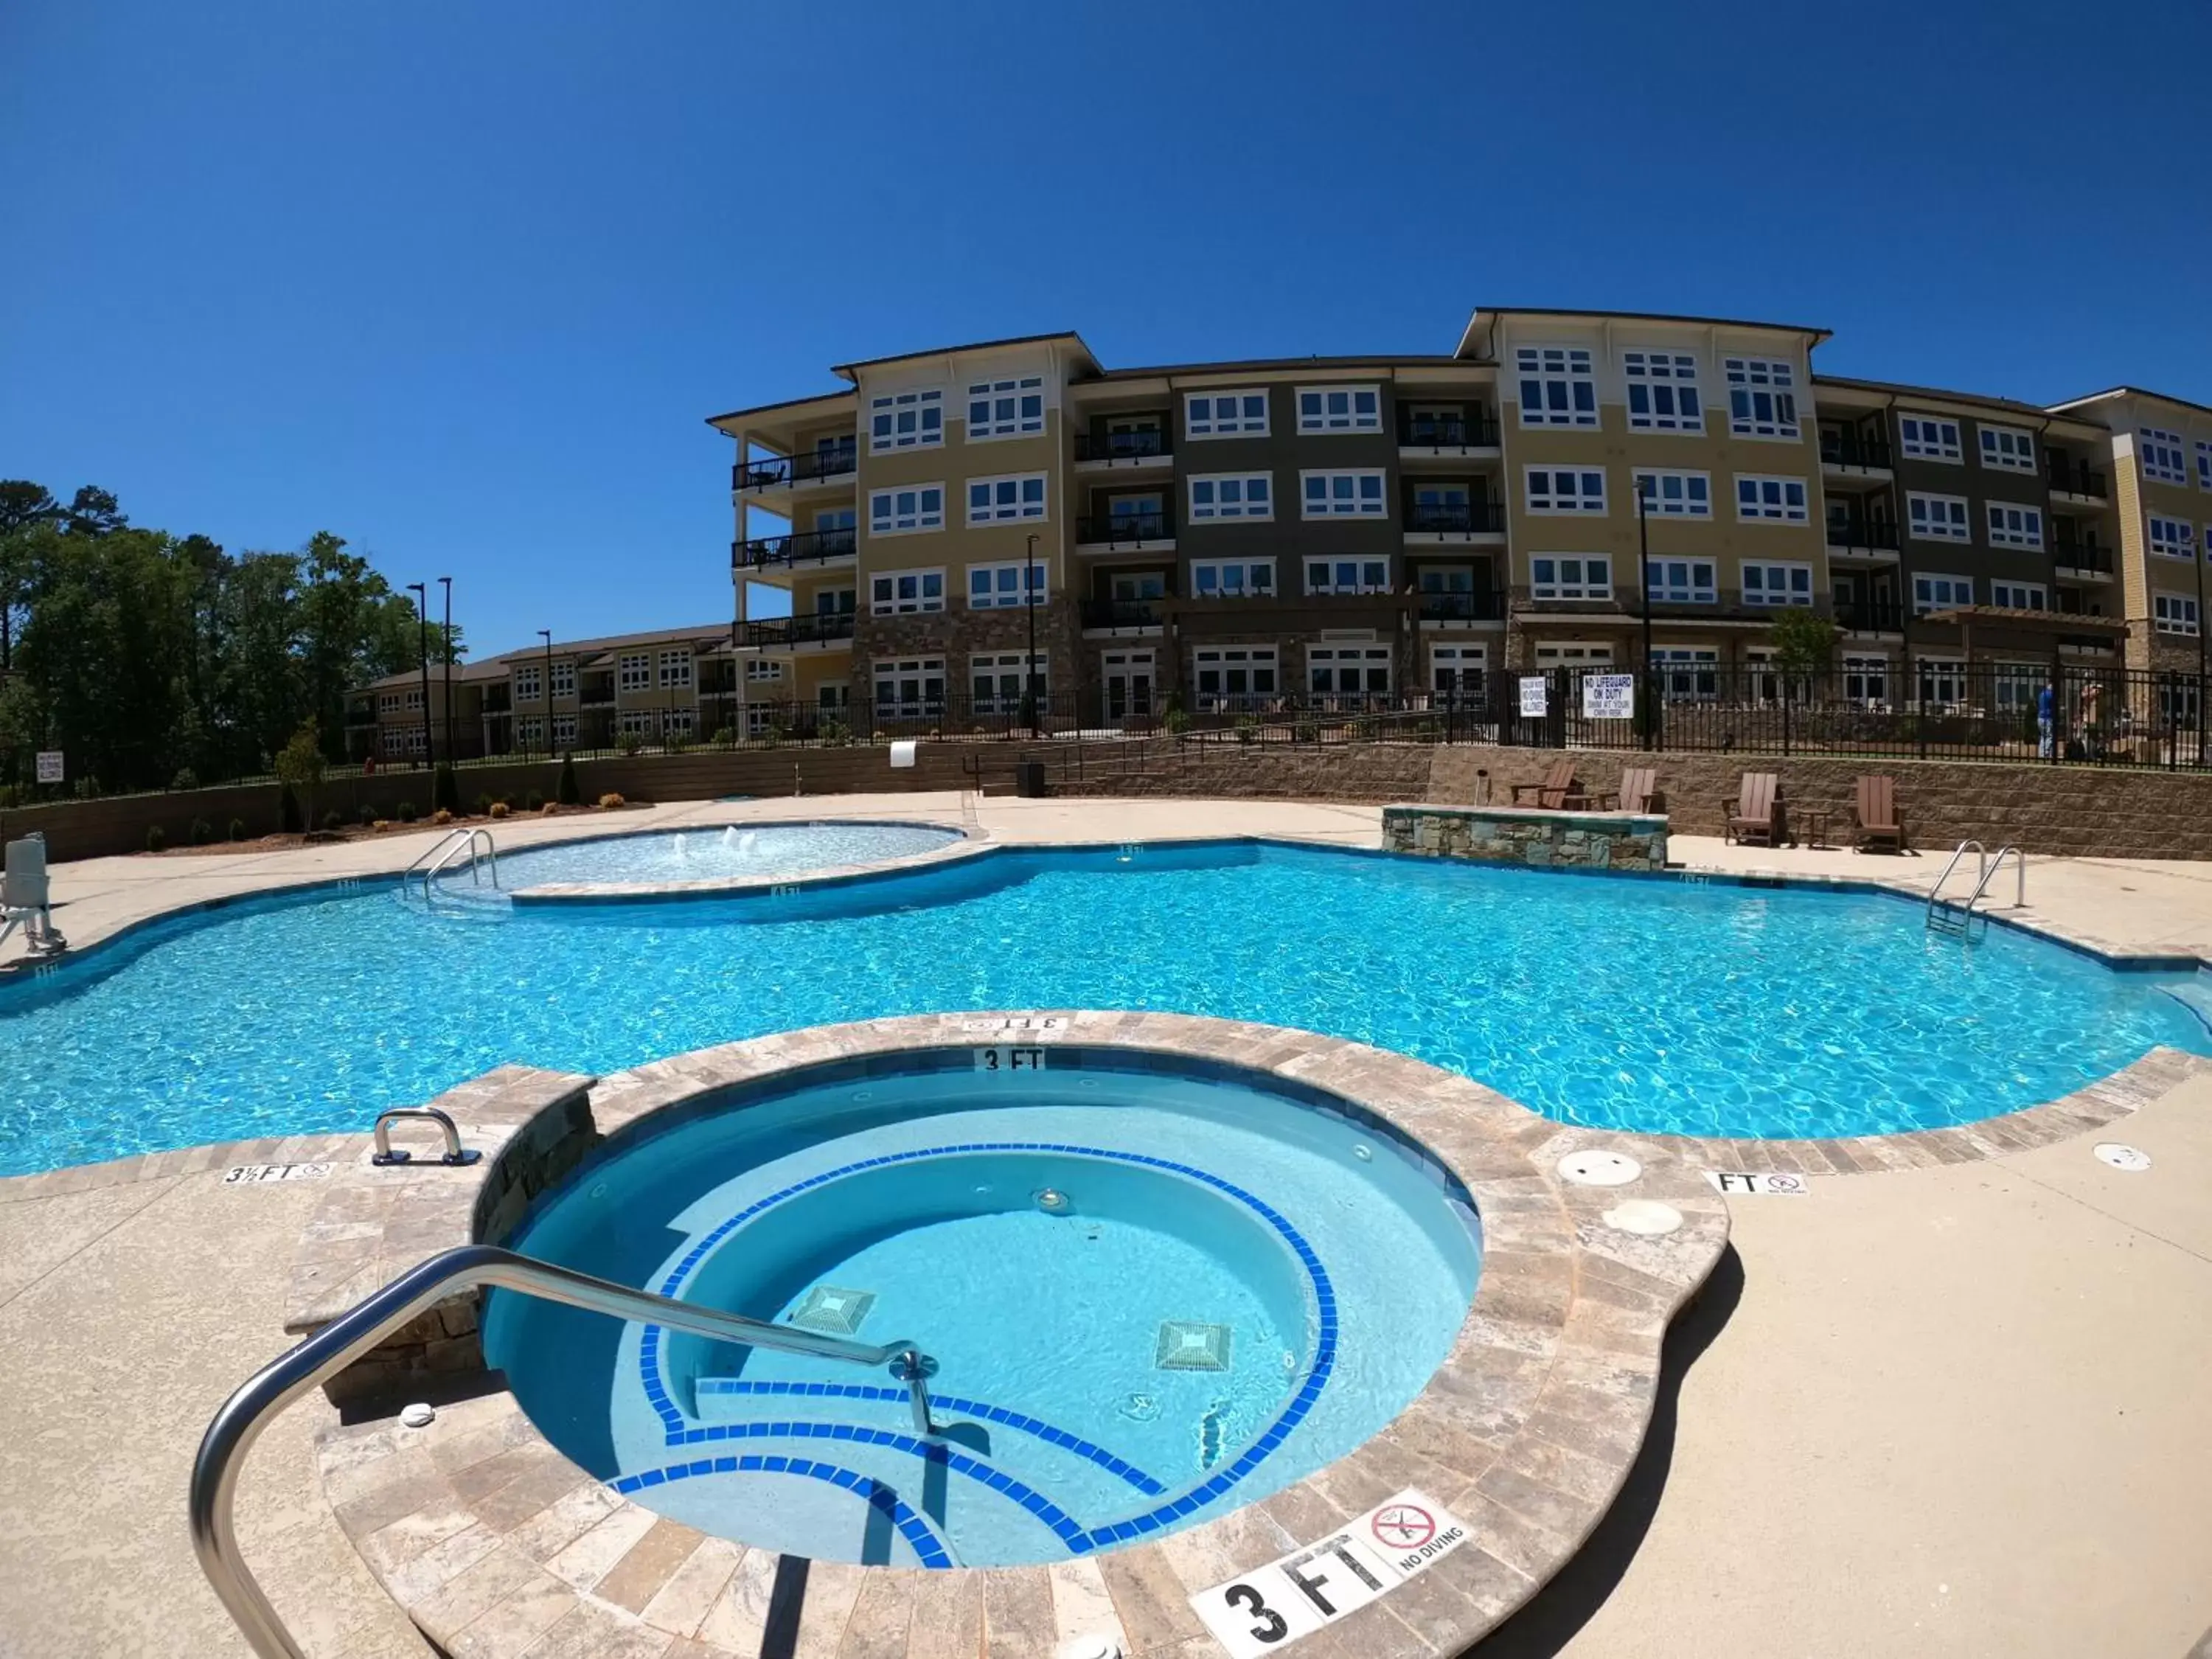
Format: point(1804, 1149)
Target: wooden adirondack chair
point(1639, 790)
point(1756, 817)
point(1876, 824)
point(1558, 791)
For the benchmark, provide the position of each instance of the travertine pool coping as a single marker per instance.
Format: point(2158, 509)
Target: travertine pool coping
point(497, 1545)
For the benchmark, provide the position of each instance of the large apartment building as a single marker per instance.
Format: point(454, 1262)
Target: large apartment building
point(1306, 529)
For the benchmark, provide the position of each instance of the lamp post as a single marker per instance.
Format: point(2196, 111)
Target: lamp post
point(1644, 482)
point(1028, 663)
point(423, 620)
point(546, 635)
point(2203, 554)
point(447, 583)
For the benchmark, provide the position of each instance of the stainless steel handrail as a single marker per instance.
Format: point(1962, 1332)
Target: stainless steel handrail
point(469, 846)
point(430, 852)
point(355, 1332)
point(454, 1154)
point(1996, 867)
point(1981, 874)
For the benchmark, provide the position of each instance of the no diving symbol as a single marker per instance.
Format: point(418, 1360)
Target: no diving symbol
point(1784, 1183)
point(1404, 1526)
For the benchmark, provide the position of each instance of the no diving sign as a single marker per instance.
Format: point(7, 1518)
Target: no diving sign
point(1264, 1610)
point(1755, 1183)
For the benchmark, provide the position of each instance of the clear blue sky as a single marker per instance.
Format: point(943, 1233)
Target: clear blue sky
point(461, 281)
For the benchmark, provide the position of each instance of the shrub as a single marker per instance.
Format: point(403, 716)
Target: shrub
point(483, 805)
point(381, 826)
point(834, 735)
point(444, 788)
point(610, 800)
point(155, 840)
point(185, 779)
point(1248, 728)
point(1307, 731)
point(499, 809)
point(443, 816)
point(569, 791)
point(405, 812)
point(202, 832)
point(238, 828)
point(726, 736)
point(287, 812)
point(333, 820)
point(629, 743)
point(368, 814)
point(300, 767)
point(533, 801)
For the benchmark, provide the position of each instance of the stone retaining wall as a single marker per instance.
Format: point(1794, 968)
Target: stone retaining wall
point(1506, 835)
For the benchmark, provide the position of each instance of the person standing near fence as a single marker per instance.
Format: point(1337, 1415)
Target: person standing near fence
point(2044, 726)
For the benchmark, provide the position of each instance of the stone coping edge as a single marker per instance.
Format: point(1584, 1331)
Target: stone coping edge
point(493, 1541)
point(1645, 822)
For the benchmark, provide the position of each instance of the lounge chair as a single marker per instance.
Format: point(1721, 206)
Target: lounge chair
point(1876, 825)
point(1639, 790)
point(1557, 793)
point(1756, 819)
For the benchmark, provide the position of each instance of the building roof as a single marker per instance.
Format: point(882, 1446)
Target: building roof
point(583, 652)
point(2132, 391)
point(848, 369)
point(1279, 365)
point(1481, 311)
point(1898, 388)
point(823, 397)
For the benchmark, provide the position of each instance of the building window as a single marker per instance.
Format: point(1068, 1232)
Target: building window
point(1231, 579)
point(1762, 401)
point(564, 728)
point(1457, 670)
point(1136, 586)
point(763, 668)
point(2161, 455)
point(1942, 681)
point(1558, 490)
point(1676, 494)
point(678, 722)
point(1574, 653)
point(415, 701)
point(2171, 538)
point(1347, 670)
point(1340, 409)
point(1000, 501)
point(1006, 408)
point(1766, 583)
point(1233, 676)
point(1937, 517)
point(1926, 438)
point(2014, 526)
point(1348, 575)
point(905, 420)
point(528, 684)
point(639, 722)
point(404, 740)
point(2174, 613)
point(912, 689)
point(1866, 679)
point(897, 512)
point(387, 702)
point(1232, 496)
point(675, 670)
point(564, 679)
point(1581, 576)
point(1663, 391)
point(2019, 596)
point(2203, 464)
point(1782, 500)
point(2009, 447)
point(1941, 594)
point(1343, 494)
point(998, 586)
point(1557, 386)
point(1688, 673)
point(997, 684)
point(636, 671)
point(1683, 582)
point(906, 593)
point(1224, 415)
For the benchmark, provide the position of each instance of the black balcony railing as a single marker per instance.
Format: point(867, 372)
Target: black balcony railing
point(1121, 613)
point(1475, 431)
point(1118, 527)
point(1463, 518)
point(818, 628)
point(1863, 449)
point(2073, 477)
point(782, 469)
point(1869, 535)
point(1482, 604)
point(802, 547)
point(2070, 554)
point(1121, 446)
point(1870, 616)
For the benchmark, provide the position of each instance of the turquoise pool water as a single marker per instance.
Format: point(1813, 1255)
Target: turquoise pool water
point(1630, 1002)
point(1226, 1290)
point(736, 852)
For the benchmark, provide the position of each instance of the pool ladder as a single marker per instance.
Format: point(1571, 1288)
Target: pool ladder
point(1945, 916)
point(361, 1327)
point(456, 844)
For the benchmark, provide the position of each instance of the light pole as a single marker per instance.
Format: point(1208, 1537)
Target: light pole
point(423, 618)
point(546, 635)
point(1644, 482)
point(447, 583)
point(1028, 663)
point(2203, 554)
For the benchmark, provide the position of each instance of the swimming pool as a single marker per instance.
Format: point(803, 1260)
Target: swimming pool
point(1149, 1291)
point(1621, 1002)
point(735, 852)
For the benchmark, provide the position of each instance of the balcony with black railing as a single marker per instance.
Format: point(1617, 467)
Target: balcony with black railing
point(783, 633)
point(801, 547)
point(1125, 529)
point(1121, 613)
point(786, 471)
point(1875, 615)
point(1481, 604)
point(1457, 518)
point(1852, 534)
point(2082, 556)
point(1143, 446)
point(1854, 452)
point(2068, 477)
point(1474, 430)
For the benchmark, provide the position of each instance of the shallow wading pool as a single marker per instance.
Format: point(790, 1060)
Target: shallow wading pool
point(732, 853)
point(1149, 1291)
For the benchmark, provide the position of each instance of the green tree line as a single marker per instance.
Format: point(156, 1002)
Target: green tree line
point(153, 659)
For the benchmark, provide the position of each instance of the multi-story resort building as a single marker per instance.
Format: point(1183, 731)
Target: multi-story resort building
point(1292, 531)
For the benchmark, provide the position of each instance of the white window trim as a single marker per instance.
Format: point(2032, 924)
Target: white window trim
point(1041, 587)
point(1951, 451)
point(1213, 514)
point(894, 606)
point(1999, 537)
point(918, 399)
point(564, 678)
point(1657, 506)
point(1676, 377)
point(1664, 591)
point(1923, 607)
point(1986, 430)
point(1586, 653)
point(2175, 613)
point(1766, 601)
point(1021, 512)
point(1588, 587)
point(1964, 531)
point(1783, 512)
point(672, 670)
point(2185, 534)
point(2148, 435)
point(2004, 591)
point(1581, 508)
point(1577, 366)
point(1352, 420)
point(998, 429)
point(1361, 657)
point(1246, 592)
point(1360, 506)
point(1360, 585)
point(633, 672)
point(1241, 428)
point(2203, 464)
point(887, 522)
point(1780, 381)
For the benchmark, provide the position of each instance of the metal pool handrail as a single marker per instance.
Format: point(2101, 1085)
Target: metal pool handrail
point(355, 1332)
point(455, 1153)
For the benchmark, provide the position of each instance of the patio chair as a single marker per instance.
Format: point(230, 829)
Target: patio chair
point(1876, 824)
point(1639, 790)
point(1557, 793)
point(1756, 819)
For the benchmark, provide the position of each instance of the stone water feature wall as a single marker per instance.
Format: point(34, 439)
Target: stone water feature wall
point(1508, 835)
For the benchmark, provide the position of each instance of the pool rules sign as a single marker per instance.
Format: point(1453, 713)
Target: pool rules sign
point(1266, 1609)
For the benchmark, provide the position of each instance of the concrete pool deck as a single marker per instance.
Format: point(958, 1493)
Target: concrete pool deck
point(1947, 1410)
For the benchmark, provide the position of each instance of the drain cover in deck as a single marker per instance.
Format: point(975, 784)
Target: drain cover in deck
point(833, 1311)
point(1186, 1345)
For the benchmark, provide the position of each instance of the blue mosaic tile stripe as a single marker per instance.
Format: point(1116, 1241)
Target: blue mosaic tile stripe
point(999, 1414)
point(1301, 1405)
point(911, 1527)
